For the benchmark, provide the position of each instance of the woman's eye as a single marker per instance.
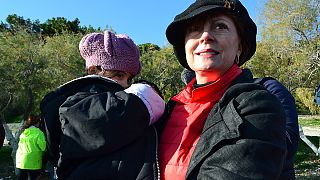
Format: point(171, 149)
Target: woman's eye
point(120, 76)
point(221, 26)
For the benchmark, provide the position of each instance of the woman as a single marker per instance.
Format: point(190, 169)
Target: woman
point(30, 149)
point(221, 125)
point(288, 103)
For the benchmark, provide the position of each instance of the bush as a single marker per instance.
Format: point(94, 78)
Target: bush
point(14, 119)
point(305, 101)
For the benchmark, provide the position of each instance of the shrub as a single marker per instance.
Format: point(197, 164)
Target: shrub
point(304, 98)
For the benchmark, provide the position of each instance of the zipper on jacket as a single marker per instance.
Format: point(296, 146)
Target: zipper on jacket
point(156, 176)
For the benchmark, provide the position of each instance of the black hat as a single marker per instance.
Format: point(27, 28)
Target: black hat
point(176, 30)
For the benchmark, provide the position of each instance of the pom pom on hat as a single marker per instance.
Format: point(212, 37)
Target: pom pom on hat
point(111, 52)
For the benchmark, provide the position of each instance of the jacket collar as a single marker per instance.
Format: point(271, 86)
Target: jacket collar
point(210, 91)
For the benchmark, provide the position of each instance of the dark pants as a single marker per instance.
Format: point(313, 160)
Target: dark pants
point(27, 174)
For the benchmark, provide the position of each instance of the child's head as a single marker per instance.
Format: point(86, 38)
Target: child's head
point(32, 120)
point(111, 55)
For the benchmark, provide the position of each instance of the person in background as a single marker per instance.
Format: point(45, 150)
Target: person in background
point(31, 147)
point(288, 103)
point(222, 125)
point(98, 126)
point(317, 95)
point(2, 133)
point(292, 125)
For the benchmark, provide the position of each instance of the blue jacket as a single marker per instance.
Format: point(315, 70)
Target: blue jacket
point(292, 127)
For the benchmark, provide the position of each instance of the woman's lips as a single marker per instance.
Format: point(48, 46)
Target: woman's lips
point(206, 52)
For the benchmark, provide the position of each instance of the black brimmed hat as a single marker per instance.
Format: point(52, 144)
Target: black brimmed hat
point(176, 30)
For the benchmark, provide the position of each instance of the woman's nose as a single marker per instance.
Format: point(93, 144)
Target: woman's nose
point(206, 37)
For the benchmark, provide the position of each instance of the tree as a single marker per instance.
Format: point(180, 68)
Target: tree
point(162, 68)
point(20, 79)
point(58, 25)
point(63, 60)
point(289, 48)
point(21, 64)
point(18, 23)
point(148, 47)
point(30, 68)
point(51, 27)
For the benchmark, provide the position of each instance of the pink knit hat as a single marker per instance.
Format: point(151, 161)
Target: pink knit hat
point(111, 52)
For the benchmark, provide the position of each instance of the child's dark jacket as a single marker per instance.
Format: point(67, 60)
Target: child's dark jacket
point(95, 130)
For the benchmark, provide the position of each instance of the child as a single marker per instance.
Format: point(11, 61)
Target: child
point(31, 146)
point(97, 129)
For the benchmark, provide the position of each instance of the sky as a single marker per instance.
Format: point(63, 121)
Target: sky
point(145, 21)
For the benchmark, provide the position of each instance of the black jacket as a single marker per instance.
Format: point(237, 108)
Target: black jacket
point(292, 127)
point(95, 130)
point(243, 136)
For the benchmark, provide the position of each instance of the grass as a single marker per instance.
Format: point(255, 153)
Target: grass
point(6, 164)
point(307, 164)
point(310, 122)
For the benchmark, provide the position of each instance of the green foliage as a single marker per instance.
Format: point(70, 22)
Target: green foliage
point(148, 47)
point(309, 122)
point(301, 108)
point(289, 46)
point(31, 66)
point(20, 67)
point(305, 96)
point(51, 27)
point(18, 23)
point(162, 68)
point(37, 57)
point(59, 25)
point(13, 119)
point(305, 158)
point(6, 165)
point(63, 60)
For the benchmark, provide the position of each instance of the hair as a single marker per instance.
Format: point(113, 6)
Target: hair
point(239, 23)
point(31, 120)
point(97, 70)
point(240, 30)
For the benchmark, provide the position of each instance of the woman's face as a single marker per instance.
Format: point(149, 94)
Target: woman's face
point(211, 45)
